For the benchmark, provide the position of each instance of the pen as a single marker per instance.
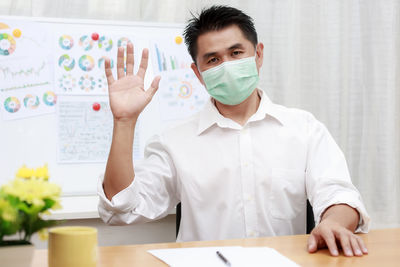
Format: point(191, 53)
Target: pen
point(222, 257)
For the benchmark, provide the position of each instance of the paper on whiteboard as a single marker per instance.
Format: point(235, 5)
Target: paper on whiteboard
point(19, 37)
point(26, 82)
point(169, 53)
point(80, 55)
point(84, 134)
point(180, 94)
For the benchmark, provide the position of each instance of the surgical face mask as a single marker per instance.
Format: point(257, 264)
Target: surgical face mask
point(232, 81)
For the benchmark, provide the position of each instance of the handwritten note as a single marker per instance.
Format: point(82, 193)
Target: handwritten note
point(85, 132)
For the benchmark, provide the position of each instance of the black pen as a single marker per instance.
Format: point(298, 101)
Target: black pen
point(225, 260)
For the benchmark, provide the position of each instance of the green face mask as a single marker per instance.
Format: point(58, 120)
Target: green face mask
point(233, 81)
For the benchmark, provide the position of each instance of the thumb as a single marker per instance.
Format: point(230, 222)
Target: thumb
point(153, 87)
point(312, 243)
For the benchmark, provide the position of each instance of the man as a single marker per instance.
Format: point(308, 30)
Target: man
point(243, 166)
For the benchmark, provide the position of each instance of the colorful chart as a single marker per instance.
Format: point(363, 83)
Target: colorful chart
point(86, 42)
point(66, 42)
point(87, 83)
point(66, 62)
point(101, 62)
point(101, 84)
point(49, 98)
point(12, 104)
point(185, 90)
point(180, 95)
point(105, 43)
point(31, 101)
point(67, 83)
point(170, 54)
point(86, 63)
point(3, 26)
point(123, 41)
point(7, 44)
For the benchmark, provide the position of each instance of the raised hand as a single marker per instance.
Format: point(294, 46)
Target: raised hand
point(127, 95)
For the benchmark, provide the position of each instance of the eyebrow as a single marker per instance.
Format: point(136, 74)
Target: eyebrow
point(235, 46)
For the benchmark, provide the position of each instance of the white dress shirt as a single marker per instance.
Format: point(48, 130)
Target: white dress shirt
point(238, 181)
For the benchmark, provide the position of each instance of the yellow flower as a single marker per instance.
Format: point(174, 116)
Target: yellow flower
point(43, 234)
point(25, 199)
point(7, 213)
point(25, 172)
point(28, 173)
point(42, 172)
point(33, 191)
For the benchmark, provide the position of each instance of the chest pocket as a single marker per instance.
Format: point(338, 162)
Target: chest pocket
point(288, 194)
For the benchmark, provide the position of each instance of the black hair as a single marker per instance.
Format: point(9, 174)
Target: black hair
point(216, 18)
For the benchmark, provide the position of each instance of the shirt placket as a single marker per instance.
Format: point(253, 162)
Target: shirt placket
point(248, 182)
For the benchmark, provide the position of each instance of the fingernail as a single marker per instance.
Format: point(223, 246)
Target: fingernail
point(348, 252)
point(358, 252)
point(335, 252)
point(365, 250)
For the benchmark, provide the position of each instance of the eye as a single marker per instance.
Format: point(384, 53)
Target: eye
point(212, 60)
point(236, 53)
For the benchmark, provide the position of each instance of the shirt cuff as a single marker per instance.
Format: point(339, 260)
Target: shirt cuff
point(124, 201)
point(352, 201)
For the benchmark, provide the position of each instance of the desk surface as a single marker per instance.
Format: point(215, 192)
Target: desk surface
point(383, 246)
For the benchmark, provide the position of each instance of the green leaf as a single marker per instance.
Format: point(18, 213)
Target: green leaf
point(9, 228)
point(40, 224)
point(48, 204)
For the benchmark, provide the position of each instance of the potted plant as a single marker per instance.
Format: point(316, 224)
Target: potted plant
point(23, 202)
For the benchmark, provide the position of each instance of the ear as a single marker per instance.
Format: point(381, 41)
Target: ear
point(259, 55)
point(197, 72)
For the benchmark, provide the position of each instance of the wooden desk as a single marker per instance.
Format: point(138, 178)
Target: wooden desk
point(383, 247)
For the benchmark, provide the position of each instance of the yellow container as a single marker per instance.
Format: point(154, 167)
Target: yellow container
point(72, 246)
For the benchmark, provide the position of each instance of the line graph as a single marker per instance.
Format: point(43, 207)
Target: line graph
point(8, 72)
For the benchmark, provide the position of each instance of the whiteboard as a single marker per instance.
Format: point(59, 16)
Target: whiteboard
point(33, 141)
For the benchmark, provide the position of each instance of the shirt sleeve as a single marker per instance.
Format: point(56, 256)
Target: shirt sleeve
point(328, 180)
point(150, 196)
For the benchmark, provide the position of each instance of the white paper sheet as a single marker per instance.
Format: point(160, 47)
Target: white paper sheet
point(169, 53)
point(237, 256)
point(180, 94)
point(85, 134)
point(26, 87)
point(79, 59)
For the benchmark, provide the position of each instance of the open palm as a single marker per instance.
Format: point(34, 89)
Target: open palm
point(127, 95)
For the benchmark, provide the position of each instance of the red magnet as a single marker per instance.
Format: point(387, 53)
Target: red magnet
point(96, 106)
point(95, 36)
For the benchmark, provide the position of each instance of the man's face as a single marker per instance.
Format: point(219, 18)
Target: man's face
point(216, 47)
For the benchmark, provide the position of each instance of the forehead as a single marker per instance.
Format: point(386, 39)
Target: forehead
point(215, 41)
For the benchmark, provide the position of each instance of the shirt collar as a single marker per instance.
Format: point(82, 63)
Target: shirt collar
point(210, 114)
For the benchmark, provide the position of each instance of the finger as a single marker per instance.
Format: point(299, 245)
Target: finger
point(153, 87)
point(330, 241)
point(109, 75)
point(345, 243)
point(355, 246)
point(143, 63)
point(312, 243)
point(362, 245)
point(120, 63)
point(129, 59)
